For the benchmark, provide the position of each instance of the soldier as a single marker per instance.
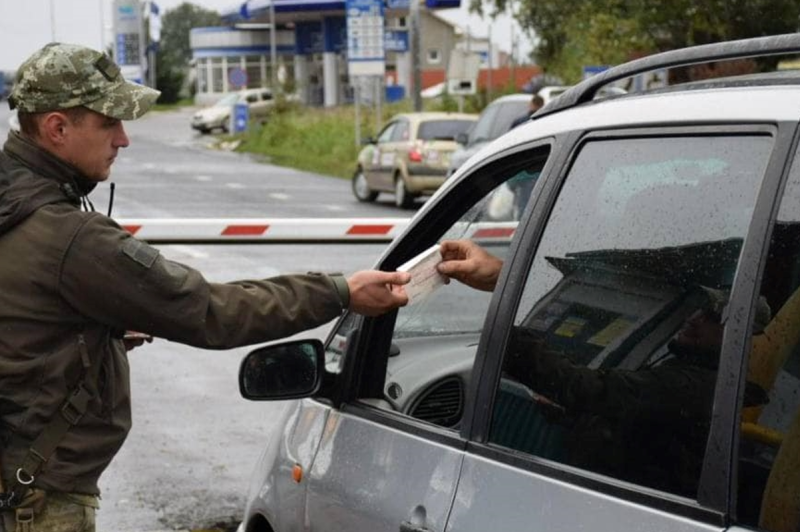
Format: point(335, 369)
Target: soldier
point(72, 282)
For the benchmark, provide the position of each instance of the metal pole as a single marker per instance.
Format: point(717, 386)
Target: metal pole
point(416, 66)
point(52, 21)
point(357, 101)
point(489, 69)
point(102, 26)
point(151, 65)
point(378, 101)
point(273, 48)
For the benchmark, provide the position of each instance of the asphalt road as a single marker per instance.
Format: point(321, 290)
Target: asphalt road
point(187, 462)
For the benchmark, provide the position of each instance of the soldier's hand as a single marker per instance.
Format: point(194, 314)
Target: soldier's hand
point(373, 292)
point(467, 262)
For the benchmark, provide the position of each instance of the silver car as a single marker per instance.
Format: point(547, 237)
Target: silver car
point(636, 367)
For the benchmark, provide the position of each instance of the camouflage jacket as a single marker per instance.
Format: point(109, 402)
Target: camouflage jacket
point(74, 281)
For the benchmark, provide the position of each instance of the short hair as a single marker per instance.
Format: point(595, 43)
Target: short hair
point(537, 101)
point(29, 122)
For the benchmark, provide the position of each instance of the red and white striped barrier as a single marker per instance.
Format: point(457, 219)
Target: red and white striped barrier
point(289, 230)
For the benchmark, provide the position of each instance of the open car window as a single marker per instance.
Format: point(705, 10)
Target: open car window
point(429, 364)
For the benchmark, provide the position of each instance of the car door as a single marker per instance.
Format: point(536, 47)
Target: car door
point(378, 165)
point(262, 103)
point(597, 399)
point(768, 453)
point(394, 153)
point(391, 454)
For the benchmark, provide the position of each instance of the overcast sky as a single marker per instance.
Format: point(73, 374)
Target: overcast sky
point(26, 25)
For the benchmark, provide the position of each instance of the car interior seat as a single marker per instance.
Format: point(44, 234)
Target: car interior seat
point(780, 505)
point(780, 500)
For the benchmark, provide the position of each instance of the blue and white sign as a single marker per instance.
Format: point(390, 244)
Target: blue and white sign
point(366, 55)
point(128, 39)
point(396, 40)
point(239, 118)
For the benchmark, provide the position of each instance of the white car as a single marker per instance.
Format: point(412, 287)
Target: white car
point(599, 387)
point(218, 115)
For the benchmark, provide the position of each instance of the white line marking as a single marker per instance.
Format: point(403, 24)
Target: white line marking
point(234, 185)
point(279, 196)
point(204, 178)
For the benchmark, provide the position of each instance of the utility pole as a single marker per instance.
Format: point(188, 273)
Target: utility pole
point(273, 49)
point(416, 65)
point(52, 22)
point(490, 65)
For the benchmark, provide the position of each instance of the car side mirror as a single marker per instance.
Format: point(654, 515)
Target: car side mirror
point(369, 140)
point(288, 370)
point(462, 138)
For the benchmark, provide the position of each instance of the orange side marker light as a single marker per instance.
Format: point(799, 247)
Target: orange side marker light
point(297, 473)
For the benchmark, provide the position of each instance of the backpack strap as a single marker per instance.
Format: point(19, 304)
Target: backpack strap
point(43, 447)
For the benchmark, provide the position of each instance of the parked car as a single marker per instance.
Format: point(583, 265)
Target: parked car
point(495, 120)
point(218, 115)
point(410, 157)
point(651, 214)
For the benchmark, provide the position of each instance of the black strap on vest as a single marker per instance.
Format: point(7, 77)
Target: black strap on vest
point(43, 447)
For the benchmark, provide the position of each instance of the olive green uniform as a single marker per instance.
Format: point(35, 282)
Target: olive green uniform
point(71, 283)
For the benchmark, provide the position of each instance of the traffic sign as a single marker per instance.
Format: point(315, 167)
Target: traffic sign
point(237, 77)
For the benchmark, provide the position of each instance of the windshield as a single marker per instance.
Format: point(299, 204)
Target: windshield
point(442, 129)
point(496, 120)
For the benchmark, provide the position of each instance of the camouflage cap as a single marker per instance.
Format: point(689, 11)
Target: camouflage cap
point(718, 299)
point(60, 76)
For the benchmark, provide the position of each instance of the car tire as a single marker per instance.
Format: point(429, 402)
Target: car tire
point(360, 187)
point(402, 197)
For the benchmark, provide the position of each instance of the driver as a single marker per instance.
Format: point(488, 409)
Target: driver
point(648, 425)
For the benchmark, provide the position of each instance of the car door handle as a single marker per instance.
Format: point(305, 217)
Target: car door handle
point(408, 526)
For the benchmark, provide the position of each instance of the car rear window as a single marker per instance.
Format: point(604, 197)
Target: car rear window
point(442, 129)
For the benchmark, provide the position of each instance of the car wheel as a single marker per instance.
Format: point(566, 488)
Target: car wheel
point(402, 197)
point(361, 189)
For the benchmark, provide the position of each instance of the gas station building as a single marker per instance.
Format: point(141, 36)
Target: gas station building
point(310, 49)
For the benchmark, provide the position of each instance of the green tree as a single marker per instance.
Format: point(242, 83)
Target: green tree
point(174, 52)
point(573, 33)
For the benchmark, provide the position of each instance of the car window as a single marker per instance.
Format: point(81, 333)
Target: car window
point(484, 126)
point(506, 114)
point(611, 362)
point(386, 134)
point(434, 340)
point(266, 95)
point(769, 449)
point(442, 129)
point(228, 100)
point(252, 98)
point(401, 131)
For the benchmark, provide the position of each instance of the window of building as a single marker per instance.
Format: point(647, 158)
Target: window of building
point(434, 56)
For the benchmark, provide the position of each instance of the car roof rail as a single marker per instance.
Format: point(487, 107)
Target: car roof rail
point(760, 46)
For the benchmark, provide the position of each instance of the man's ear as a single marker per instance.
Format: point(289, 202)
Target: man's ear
point(53, 128)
